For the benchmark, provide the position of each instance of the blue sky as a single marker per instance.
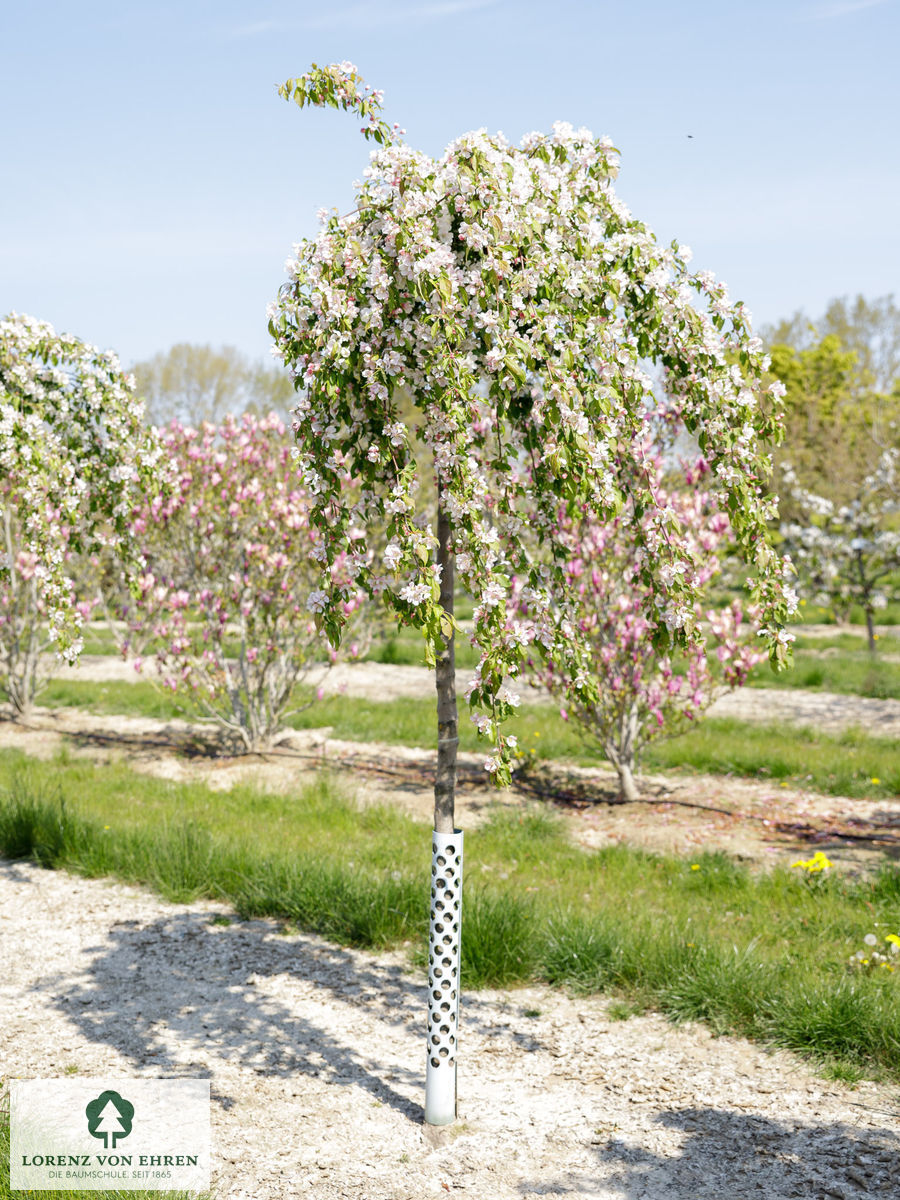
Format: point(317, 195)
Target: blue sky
point(152, 181)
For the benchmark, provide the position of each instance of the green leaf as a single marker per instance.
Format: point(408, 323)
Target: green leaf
point(515, 369)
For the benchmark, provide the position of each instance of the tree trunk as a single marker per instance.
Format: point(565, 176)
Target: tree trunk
point(627, 786)
point(446, 874)
point(870, 629)
point(445, 679)
point(622, 752)
point(865, 590)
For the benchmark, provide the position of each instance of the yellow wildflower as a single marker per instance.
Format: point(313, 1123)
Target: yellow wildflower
point(813, 865)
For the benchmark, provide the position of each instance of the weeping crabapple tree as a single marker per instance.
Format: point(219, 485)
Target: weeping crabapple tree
point(511, 294)
point(74, 455)
point(847, 553)
point(229, 563)
point(646, 693)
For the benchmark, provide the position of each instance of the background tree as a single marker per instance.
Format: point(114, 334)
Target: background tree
point(849, 553)
point(24, 638)
point(645, 694)
point(516, 298)
point(836, 471)
point(74, 455)
point(194, 384)
point(831, 422)
point(230, 559)
point(868, 328)
point(842, 403)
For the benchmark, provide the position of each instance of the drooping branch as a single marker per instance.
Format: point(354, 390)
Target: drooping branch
point(518, 301)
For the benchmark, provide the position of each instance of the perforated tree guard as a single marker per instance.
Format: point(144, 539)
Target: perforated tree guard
point(443, 977)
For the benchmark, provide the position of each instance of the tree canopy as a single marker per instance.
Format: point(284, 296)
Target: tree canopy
point(197, 383)
point(74, 454)
point(842, 398)
point(870, 329)
point(517, 300)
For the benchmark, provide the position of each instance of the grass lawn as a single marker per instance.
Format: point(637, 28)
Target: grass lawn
point(846, 764)
point(840, 664)
point(406, 648)
point(764, 955)
point(847, 666)
point(842, 764)
point(817, 614)
point(854, 671)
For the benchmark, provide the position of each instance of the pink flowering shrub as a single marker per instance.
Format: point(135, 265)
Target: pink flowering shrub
point(226, 601)
point(644, 693)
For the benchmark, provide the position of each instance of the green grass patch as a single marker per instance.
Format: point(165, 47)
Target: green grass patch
point(844, 764)
point(850, 763)
point(161, 833)
point(116, 698)
point(848, 640)
point(817, 614)
point(406, 647)
point(763, 955)
point(99, 640)
point(412, 721)
point(841, 669)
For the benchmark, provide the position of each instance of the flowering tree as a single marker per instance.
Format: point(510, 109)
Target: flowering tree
point(229, 563)
point(847, 553)
point(24, 640)
point(73, 453)
point(644, 693)
point(512, 295)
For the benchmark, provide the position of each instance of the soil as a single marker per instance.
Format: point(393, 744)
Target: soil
point(760, 822)
point(316, 1053)
point(316, 1059)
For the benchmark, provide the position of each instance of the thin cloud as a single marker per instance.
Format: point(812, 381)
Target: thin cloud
point(369, 16)
point(844, 8)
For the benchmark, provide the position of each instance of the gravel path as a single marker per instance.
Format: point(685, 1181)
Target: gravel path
point(316, 1058)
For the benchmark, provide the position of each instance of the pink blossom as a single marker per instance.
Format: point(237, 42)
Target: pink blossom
point(208, 592)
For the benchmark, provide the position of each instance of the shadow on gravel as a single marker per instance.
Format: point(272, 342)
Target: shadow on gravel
point(740, 1156)
point(169, 994)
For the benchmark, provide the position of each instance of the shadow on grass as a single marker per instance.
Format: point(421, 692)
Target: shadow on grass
point(736, 1155)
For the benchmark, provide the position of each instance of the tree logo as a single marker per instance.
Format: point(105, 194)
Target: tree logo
point(109, 1117)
